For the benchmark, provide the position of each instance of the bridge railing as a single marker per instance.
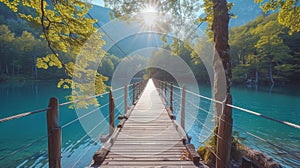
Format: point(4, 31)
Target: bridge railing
point(168, 92)
point(54, 128)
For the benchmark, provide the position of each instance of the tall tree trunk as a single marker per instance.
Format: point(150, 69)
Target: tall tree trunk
point(6, 68)
point(221, 65)
point(256, 77)
point(35, 74)
point(271, 74)
point(13, 69)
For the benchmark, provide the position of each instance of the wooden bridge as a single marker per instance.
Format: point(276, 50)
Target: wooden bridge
point(146, 135)
point(148, 138)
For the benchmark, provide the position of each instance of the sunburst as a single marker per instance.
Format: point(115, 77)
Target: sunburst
point(149, 15)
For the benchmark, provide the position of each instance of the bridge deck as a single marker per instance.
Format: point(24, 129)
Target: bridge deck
point(149, 137)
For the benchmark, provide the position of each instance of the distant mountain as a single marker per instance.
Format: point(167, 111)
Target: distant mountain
point(103, 15)
point(129, 44)
point(245, 10)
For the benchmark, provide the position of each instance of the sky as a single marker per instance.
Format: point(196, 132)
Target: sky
point(98, 2)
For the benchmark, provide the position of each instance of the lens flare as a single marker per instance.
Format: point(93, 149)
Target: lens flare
point(149, 17)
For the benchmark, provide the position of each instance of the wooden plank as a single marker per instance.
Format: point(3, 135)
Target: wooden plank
point(149, 163)
point(144, 154)
point(145, 149)
point(148, 138)
point(173, 166)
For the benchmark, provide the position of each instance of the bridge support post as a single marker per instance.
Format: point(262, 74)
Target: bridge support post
point(224, 140)
point(54, 135)
point(161, 87)
point(171, 97)
point(139, 89)
point(165, 91)
point(133, 94)
point(125, 100)
point(182, 111)
point(111, 113)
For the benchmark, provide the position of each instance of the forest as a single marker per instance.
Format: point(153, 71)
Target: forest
point(21, 45)
point(263, 52)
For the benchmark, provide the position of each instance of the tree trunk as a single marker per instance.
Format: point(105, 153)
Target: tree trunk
point(35, 74)
point(222, 80)
point(271, 75)
point(256, 77)
point(6, 68)
point(13, 69)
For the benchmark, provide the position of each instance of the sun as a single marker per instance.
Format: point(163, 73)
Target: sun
point(149, 15)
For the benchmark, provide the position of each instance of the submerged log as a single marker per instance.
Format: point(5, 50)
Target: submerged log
point(259, 159)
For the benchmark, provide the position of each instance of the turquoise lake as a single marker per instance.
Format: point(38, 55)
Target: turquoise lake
point(23, 141)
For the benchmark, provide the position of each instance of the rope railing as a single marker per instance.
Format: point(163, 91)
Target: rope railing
point(161, 86)
point(119, 105)
point(83, 116)
point(202, 141)
point(204, 126)
point(248, 111)
point(246, 132)
point(87, 134)
point(54, 129)
point(119, 97)
point(264, 116)
point(76, 101)
point(89, 148)
point(115, 90)
point(25, 114)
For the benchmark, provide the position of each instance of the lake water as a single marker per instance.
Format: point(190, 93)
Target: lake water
point(23, 142)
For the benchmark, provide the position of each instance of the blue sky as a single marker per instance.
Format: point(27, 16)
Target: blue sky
point(98, 2)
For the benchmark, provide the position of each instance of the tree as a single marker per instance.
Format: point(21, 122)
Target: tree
point(222, 50)
point(288, 14)
point(107, 67)
point(66, 27)
point(6, 38)
point(22, 55)
point(270, 53)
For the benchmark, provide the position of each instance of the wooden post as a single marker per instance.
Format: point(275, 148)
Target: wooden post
point(133, 94)
point(160, 87)
point(182, 118)
point(224, 139)
point(139, 91)
point(54, 135)
point(111, 113)
point(171, 97)
point(125, 100)
point(165, 89)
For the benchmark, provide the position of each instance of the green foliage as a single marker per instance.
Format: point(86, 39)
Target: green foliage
point(108, 65)
point(288, 15)
point(210, 146)
point(240, 73)
point(264, 47)
point(65, 29)
point(18, 53)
